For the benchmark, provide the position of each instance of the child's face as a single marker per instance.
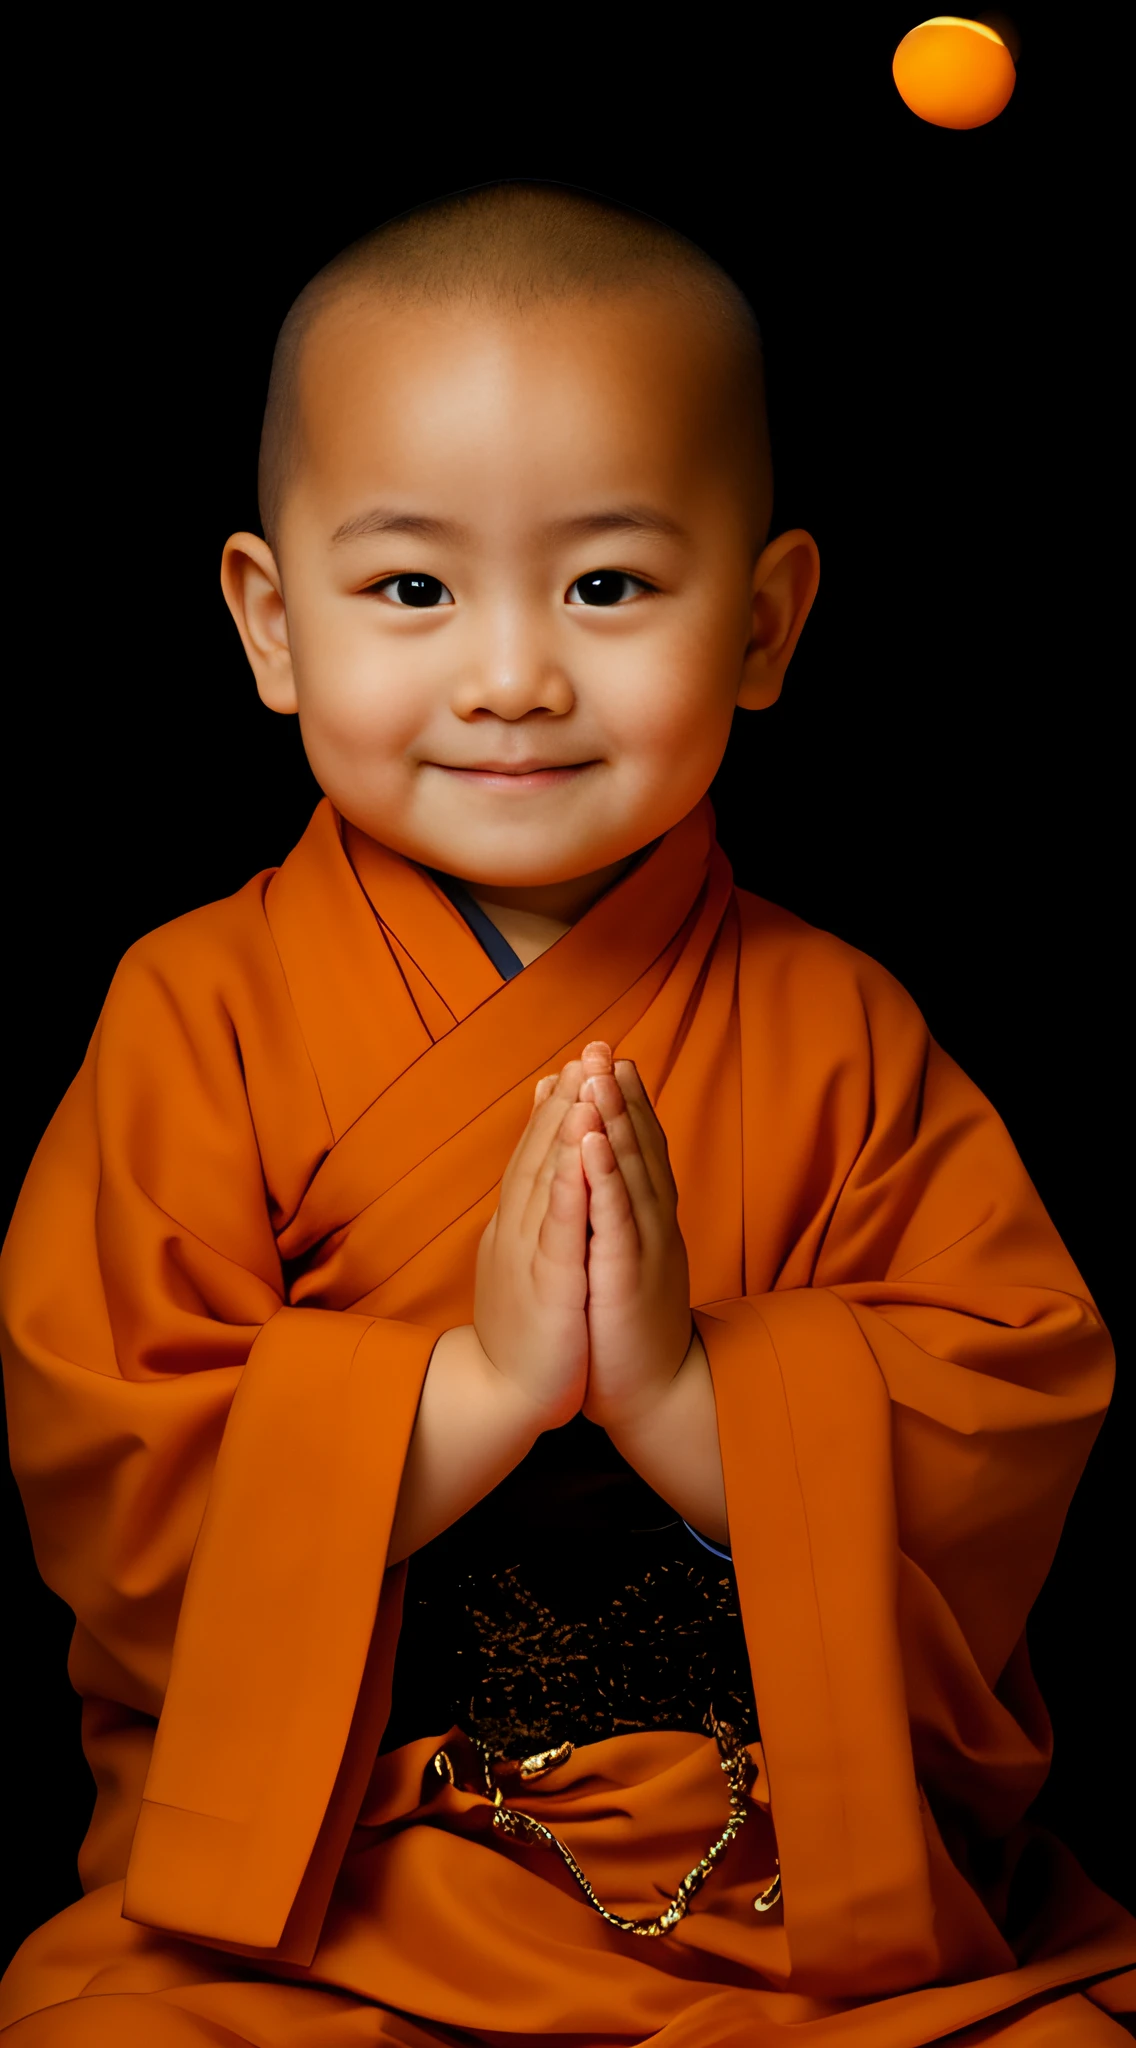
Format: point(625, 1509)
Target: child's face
point(506, 468)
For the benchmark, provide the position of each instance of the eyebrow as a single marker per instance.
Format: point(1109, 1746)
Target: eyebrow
point(622, 519)
point(379, 520)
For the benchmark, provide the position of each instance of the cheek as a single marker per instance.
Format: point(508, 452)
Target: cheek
point(355, 696)
point(672, 705)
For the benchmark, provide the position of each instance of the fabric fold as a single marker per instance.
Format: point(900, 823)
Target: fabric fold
point(253, 1214)
point(274, 1632)
point(813, 1538)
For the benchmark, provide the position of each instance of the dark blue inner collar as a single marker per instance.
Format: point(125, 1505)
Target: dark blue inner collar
point(483, 928)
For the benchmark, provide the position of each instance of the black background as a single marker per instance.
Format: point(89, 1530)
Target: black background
point(941, 783)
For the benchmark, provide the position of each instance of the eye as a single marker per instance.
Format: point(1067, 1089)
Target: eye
point(605, 586)
point(420, 592)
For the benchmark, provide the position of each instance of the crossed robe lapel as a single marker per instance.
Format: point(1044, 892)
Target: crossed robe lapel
point(423, 926)
point(429, 1149)
point(367, 1004)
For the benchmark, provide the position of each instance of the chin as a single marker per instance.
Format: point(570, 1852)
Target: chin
point(521, 874)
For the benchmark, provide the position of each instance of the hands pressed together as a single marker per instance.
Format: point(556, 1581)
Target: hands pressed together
point(582, 1305)
point(583, 1295)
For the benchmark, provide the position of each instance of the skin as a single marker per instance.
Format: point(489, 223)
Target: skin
point(532, 744)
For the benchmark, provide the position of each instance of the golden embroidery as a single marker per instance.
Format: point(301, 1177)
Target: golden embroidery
point(738, 1770)
point(546, 1760)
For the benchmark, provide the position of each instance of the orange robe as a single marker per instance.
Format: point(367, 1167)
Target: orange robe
point(255, 1211)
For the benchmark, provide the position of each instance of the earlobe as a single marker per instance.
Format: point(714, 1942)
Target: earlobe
point(250, 581)
point(784, 585)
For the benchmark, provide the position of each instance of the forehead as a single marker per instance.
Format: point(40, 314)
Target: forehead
point(640, 390)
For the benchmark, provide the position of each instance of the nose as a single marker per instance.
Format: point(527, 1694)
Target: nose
point(514, 673)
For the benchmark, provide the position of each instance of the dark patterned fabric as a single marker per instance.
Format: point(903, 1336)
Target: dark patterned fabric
point(569, 1605)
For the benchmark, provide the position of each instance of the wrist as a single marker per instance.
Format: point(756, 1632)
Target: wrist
point(518, 1413)
point(470, 1431)
point(637, 1408)
point(672, 1442)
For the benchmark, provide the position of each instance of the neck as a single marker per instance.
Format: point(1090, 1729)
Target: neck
point(533, 919)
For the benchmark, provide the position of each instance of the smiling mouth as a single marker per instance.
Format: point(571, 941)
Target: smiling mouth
point(515, 775)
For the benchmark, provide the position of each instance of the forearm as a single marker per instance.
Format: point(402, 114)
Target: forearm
point(472, 1427)
point(671, 1440)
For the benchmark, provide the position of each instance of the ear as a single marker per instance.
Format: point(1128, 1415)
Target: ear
point(253, 592)
point(784, 585)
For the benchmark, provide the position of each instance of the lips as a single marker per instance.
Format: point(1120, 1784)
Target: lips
point(514, 775)
point(510, 767)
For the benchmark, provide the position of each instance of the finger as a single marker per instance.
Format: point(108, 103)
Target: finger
point(563, 1232)
point(605, 1092)
point(649, 1131)
point(562, 1088)
point(582, 1118)
point(539, 1134)
point(552, 1098)
point(578, 1118)
point(596, 1058)
point(610, 1208)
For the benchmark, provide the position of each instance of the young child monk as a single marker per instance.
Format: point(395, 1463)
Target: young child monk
point(537, 1577)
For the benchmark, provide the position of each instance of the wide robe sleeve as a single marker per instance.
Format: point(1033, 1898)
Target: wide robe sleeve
point(906, 1397)
point(203, 1466)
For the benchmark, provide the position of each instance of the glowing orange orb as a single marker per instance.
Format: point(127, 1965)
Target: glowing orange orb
point(953, 73)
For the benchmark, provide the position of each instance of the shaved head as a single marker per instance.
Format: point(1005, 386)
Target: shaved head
point(514, 247)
